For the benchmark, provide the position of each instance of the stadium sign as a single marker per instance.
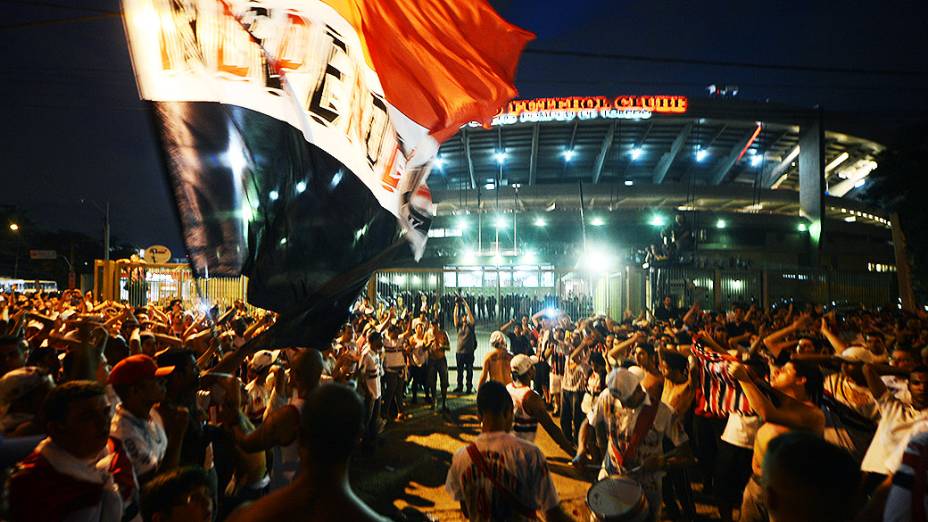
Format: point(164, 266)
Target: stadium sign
point(588, 108)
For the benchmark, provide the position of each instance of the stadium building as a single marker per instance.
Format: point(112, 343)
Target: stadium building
point(563, 195)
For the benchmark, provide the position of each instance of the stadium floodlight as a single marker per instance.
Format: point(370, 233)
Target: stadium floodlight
point(540, 222)
point(500, 156)
point(300, 187)
point(501, 222)
point(701, 154)
point(569, 155)
point(756, 160)
point(802, 227)
point(629, 183)
point(657, 220)
point(636, 153)
point(597, 221)
point(468, 257)
point(596, 259)
point(273, 195)
point(439, 162)
point(721, 224)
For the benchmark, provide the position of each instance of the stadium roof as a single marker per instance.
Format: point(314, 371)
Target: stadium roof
point(700, 142)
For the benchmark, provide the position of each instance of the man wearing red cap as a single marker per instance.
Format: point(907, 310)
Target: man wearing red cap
point(137, 426)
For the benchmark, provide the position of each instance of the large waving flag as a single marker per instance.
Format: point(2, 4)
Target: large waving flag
point(298, 134)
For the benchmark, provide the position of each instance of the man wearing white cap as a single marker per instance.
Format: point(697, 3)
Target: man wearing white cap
point(636, 426)
point(529, 408)
point(262, 383)
point(496, 363)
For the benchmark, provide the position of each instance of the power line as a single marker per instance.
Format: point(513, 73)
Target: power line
point(721, 63)
point(57, 6)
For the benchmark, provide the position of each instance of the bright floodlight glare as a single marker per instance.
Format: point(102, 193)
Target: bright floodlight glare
point(14, 227)
point(756, 160)
point(721, 224)
point(501, 222)
point(283, 241)
point(468, 257)
point(568, 155)
point(597, 222)
point(657, 220)
point(463, 223)
point(802, 227)
point(439, 162)
point(500, 157)
point(596, 260)
point(529, 257)
point(629, 183)
point(540, 222)
point(497, 259)
point(701, 154)
point(273, 195)
point(300, 187)
point(636, 153)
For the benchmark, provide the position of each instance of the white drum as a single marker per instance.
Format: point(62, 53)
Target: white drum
point(617, 499)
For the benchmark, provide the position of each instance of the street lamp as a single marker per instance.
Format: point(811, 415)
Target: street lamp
point(14, 227)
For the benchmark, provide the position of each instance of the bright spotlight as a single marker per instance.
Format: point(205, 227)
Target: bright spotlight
point(14, 227)
point(540, 222)
point(300, 187)
point(497, 259)
point(756, 160)
point(501, 222)
point(636, 153)
point(463, 223)
point(529, 257)
point(283, 241)
point(468, 257)
point(701, 154)
point(596, 260)
point(273, 195)
point(802, 227)
point(489, 186)
point(439, 162)
point(500, 157)
point(597, 222)
point(568, 155)
point(721, 224)
point(657, 220)
point(629, 183)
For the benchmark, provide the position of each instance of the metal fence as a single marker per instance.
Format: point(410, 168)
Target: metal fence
point(142, 283)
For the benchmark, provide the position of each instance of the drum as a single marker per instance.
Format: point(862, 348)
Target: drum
point(617, 499)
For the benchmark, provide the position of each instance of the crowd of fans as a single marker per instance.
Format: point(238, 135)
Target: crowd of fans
point(117, 412)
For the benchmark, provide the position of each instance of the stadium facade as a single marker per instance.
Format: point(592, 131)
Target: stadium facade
point(557, 189)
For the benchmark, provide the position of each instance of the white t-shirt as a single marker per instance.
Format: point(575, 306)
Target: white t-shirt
point(519, 465)
point(741, 429)
point(897, 420)
point(371, 372)
point(144, 441)
point(899, 502)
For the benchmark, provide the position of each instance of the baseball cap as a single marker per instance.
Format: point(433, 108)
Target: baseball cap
point(622, 383)
point(17, 383)
point(497, 338)
point(137, 368)
point(520, 364)
point(857, 354)
point(263, 359)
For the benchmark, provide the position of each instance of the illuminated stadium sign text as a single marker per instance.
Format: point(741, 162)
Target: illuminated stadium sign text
point(589, 108)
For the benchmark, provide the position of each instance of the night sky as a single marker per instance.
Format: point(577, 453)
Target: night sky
point(73, 126)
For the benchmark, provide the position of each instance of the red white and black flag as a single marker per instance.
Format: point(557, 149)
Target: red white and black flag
point(298, 134)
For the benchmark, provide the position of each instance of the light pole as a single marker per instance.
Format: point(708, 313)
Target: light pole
point(105, 210)
point(14, 228)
